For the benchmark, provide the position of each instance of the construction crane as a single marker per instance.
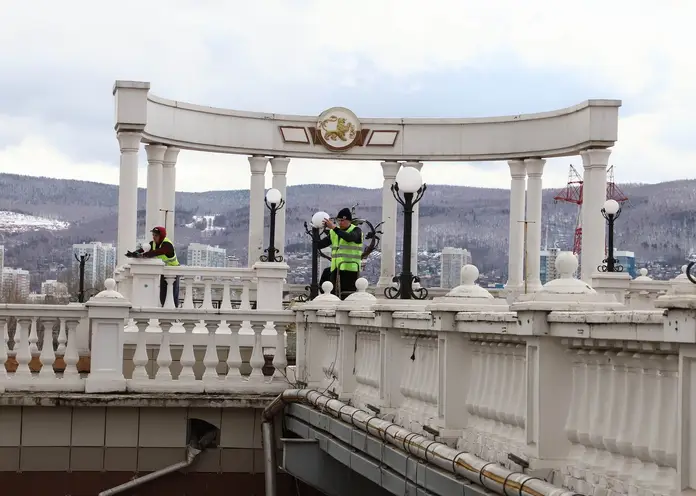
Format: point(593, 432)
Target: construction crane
point(572, 193)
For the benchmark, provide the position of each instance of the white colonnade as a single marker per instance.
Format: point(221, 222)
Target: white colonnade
point(527, 213)
point(161, 190)
point(595, 163)
point(389, 212)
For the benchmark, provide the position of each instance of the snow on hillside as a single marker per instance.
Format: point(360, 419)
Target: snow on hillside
point(14, 222)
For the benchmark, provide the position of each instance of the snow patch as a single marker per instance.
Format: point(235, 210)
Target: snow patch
point(209, 221)
point(14, 222)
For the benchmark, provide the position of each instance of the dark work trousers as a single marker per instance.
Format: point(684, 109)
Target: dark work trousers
point(325, 276)
point(348, 279)
point(163, 291)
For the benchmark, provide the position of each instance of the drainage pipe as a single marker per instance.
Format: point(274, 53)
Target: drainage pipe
point(202, 435)
point(490, 475)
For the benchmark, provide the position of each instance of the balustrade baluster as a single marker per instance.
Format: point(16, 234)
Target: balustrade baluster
point(34, 338)
point(188, 296)
point(475, 380)
point(234, 358)
point(600, 413)
point(71, 356)
point(257, 361)
point(573, 418)
point(62, 339)
point(48, 356)
point(520, 388)
point(642, 428)
point(627, 435)
point(226, 298)
point(662, 414)
point(211, 359)
point(164, 354)
point(140, 358)
point(280, 361)
point(590, 393)
point(188, 359)
point(22, 349)
point(169, 298)
point(207, 294)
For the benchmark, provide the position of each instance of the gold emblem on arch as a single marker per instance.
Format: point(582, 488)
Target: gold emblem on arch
point(338, 129)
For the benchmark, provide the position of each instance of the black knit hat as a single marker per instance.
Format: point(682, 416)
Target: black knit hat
point(344, 213)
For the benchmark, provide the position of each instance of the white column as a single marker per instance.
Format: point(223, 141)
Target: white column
point(155, 157)
point(129, 143)
point(168, 202)
point(279, 167)
point(518, 174)
point(256, 207)
point(416, 226)
point(389, 211)
point(593, 224)
point(535, 169)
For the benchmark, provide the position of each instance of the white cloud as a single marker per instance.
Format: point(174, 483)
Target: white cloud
point(183, 48)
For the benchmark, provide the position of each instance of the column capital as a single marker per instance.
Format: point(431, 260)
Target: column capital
point(258, 164)
point(415, 164)
point(595, 157)
point(518, 170)
point(170, 156)
point(129, 141)
point(279, 165)
point(390, 168)
point(535, 166)
point(155, 153)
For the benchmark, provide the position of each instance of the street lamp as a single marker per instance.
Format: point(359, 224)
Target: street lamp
point(274, 202)
point(406, 286)
point(611, 212)
point(317, 226)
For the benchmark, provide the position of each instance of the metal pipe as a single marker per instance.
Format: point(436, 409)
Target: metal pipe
point(490, 475)
point(269, 452)
point(191, 454)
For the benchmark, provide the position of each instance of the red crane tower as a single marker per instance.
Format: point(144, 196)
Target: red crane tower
point(572, 193)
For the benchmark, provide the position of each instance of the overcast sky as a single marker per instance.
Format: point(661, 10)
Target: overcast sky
point(380, 58)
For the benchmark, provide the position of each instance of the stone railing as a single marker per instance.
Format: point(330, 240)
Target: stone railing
point(637, 294)
point(567, 384)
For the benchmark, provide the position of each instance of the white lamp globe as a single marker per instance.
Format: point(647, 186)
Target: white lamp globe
point(273, 196)
point(318, 219)
point(409, 179)
point(611, 207)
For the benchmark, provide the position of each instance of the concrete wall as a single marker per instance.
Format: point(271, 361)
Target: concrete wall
point(124, 439)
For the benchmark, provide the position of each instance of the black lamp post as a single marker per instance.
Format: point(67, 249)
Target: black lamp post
point(610, 212)
point(317, 226)
point(274, 202)
point(82, 259)
point(406, 286)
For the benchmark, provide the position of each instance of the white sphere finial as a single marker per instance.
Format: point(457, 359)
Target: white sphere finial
point(110, 284)
point(683, 269)
point(469, 274)
point(566, 264)
point(327, 287)
point(318, 219)
point(643, 272)
point(361, 285)
point(611, 207)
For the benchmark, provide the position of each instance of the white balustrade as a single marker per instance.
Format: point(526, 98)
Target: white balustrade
point(565, 383)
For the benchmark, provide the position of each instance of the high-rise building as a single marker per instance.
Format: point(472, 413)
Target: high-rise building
point(200, 255)
point(54, 288)
point(99, 265)
point(451, 262)
point(547, 266)
point(628, 260)
point(15, 285)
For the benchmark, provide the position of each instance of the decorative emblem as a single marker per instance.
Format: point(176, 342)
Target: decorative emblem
point(338, 129)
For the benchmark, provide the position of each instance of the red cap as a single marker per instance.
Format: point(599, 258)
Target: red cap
point(160, 230)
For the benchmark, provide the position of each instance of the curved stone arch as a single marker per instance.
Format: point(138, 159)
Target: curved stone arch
point(563, 132)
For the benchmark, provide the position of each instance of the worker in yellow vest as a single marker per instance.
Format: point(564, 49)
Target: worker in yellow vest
point(162, 247)
point(346, 242)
